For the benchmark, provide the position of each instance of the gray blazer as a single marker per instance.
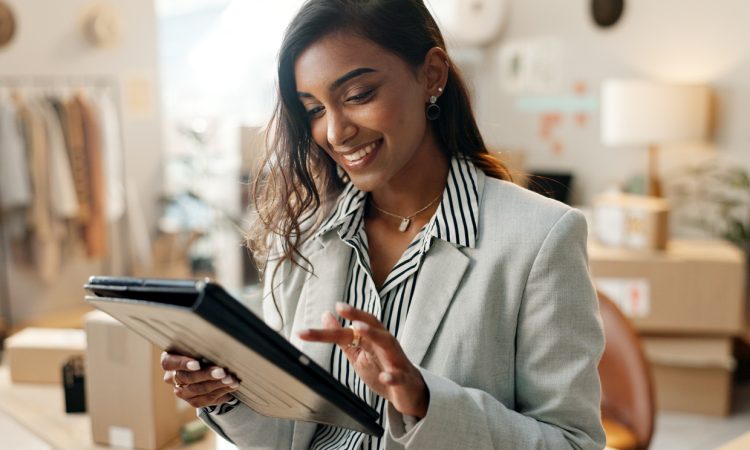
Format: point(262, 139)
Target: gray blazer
point(507, 335)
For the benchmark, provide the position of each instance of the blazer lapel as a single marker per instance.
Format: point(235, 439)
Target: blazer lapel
point(441, 272)
point(322, 291)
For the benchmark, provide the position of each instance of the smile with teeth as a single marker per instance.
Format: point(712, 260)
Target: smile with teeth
point(356, 156)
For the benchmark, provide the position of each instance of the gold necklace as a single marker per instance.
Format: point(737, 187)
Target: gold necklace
point(405, 221)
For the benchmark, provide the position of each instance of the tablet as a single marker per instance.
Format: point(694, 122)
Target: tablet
point(200, 319)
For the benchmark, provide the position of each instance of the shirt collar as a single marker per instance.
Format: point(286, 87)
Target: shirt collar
point(455, 221)
point(457, 218)
point(349, 202)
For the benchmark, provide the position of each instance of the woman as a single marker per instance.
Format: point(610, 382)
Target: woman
point(466, 315)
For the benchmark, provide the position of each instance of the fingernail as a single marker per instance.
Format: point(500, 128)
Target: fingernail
point(218, 373)
point(361, 326)
point(193, 365)
point(235, 386)
point(227, 380)
point(343, 306)
point(386, 377)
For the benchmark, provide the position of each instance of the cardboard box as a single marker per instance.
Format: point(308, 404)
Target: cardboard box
point(690, 374)
point(694, 287)
point(129, 403)
point(37, 355)
point(631, 221)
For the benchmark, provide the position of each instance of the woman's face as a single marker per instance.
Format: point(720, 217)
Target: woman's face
point(366, 108)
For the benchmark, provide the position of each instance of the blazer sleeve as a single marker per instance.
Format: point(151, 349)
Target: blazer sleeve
point(559, 342)
point(241, 425)
point(247, 429)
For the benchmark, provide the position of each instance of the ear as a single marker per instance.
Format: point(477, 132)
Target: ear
point(435, 71)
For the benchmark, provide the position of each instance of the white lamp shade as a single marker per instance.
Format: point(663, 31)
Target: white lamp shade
point(636, 112)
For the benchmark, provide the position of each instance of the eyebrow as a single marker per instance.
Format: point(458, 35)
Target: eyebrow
point(343, 79)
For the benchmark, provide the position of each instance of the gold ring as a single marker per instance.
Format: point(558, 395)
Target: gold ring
point(177, 384)
point(356, 337)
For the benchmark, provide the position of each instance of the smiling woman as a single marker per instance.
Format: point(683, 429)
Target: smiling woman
point(464, 312)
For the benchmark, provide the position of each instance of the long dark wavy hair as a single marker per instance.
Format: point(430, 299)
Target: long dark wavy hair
point(297, 177)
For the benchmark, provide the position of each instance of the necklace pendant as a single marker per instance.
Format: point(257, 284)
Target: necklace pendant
point(404, 224)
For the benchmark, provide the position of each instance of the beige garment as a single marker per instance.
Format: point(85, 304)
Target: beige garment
point(46, 230)
point(95, 230)
point(73, 128)
point(111, 153)
point(63, 198)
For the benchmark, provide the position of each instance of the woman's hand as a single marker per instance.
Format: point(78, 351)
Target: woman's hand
point(200, 387)
point(378, 359)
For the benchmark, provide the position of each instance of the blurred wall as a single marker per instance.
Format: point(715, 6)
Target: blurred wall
point(48, 43)
point(670, 40)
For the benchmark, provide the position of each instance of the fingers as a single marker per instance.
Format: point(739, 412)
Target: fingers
point(171, 361)
point(223, 399)
point(208, 374)
point(381, 343)
point(367, 326)
point(205, 388)
point(329, 321)
point(209, 398)
point(353, 314)
point(339, 336)
point(198, 386)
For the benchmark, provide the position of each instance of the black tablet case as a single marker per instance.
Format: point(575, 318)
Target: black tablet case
point(200, 319)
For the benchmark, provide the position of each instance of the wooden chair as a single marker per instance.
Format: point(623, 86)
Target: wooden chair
point(627, 387)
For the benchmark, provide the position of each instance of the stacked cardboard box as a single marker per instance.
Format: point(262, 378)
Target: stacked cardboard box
point(37, 355)
point(631, 221)
point(129, 403)
point(688, 303)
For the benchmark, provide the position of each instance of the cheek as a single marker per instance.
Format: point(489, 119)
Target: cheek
point(319, 132)
point(406, 111)
point(397, 117)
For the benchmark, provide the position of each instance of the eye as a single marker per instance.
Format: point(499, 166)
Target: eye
point(362, 97)
point(315, 112)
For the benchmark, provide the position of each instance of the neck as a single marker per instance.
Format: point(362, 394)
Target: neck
point(417, 184)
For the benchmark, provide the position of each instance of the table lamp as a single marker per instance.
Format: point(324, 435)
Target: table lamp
point(646, 113)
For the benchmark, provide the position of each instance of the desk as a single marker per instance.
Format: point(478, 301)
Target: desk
point(41, 409)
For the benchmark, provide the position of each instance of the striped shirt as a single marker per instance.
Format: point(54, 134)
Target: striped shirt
point(455, 222)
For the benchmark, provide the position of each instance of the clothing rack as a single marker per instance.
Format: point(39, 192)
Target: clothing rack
point(42, 82)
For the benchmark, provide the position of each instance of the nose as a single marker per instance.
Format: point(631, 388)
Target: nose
point(340, 128)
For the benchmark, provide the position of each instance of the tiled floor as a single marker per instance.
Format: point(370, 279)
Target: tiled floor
point(673, 431)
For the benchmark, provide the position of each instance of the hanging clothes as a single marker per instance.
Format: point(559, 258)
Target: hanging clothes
point(62, 188)
point(112, 154)
point(15, 182)
point(73, 130)
point(46, 230)
point(95, 230)
point(61, 180)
